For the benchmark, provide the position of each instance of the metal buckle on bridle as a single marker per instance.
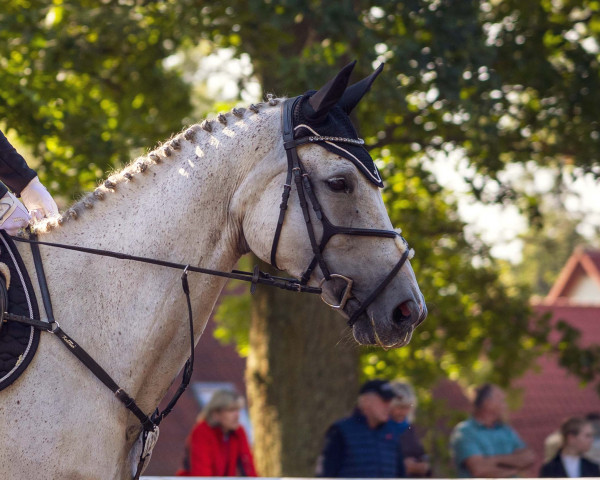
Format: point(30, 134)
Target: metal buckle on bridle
point(347, 291)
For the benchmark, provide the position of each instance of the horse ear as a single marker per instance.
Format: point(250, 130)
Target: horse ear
point(354, 93)
point(328, 95)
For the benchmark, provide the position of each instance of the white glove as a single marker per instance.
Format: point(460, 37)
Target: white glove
point(13, 215)
point(38, 201)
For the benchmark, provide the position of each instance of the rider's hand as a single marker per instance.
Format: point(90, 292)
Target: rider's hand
point(38, 201)
point(13, 215)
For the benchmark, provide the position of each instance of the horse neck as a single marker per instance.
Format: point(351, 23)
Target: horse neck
point(177, 210)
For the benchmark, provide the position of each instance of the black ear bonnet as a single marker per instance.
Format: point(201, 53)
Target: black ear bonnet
point(325, 113)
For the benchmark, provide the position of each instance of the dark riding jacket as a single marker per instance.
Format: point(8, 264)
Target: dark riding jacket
point(14, 171)
point(555, 469)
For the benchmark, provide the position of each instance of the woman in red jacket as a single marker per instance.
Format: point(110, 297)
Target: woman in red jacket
point(217, 445)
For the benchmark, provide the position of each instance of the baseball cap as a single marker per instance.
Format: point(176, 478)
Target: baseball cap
point(383, 388)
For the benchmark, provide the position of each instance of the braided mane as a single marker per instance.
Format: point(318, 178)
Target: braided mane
point(141, 164)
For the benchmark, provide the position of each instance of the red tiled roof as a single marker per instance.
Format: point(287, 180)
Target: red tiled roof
point(582, 262)
point(585, 319)
point(551, 394)
point(594, 256)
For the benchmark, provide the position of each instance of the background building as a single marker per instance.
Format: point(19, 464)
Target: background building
point(551, 394)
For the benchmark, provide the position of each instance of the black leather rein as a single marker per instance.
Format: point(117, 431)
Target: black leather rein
point(255, 277)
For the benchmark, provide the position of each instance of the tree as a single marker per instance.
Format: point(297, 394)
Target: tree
point(546, 249)
point(500, 82)
point(84, 84)
point(302, 372)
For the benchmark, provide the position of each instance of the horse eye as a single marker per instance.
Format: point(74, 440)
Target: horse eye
point(337, 184)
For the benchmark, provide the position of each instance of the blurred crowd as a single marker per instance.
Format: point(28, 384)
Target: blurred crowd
point(380, 440)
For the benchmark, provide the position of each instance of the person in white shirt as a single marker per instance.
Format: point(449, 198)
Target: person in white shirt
point(577, 437)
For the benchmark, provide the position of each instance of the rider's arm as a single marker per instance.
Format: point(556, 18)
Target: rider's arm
point(14, 171)
point(22, 180)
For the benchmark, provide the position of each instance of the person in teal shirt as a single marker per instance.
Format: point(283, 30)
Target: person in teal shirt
point(485, 445)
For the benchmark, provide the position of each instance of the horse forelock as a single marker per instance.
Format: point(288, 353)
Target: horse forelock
point(161, 153)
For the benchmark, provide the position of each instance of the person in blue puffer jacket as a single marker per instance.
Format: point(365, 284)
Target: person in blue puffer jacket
point(365, 444)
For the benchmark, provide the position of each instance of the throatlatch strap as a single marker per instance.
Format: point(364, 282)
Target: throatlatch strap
point(295, 169)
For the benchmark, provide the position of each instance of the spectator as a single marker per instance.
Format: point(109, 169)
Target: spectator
point(577, 436)
point(217, 445)
point(552, 445)
point(553, 442)
point(403, 412)
point(594, 453)
point(484, 445)
point(366, 443)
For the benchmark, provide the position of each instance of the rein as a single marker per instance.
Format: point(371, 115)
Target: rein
point(255, 277)
point(149, 423)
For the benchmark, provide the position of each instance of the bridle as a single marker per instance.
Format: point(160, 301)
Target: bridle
point(306, 192)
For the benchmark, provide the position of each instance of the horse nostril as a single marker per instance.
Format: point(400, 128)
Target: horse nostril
point(402, 312)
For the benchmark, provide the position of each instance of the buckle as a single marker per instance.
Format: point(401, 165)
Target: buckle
point(347, 291)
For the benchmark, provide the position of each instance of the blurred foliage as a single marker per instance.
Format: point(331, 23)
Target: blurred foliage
point(88, 84)
point(505, 81)
point(84, 84)
point(546, 249)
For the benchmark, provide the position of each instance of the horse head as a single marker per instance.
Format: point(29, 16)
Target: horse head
point(321, 216)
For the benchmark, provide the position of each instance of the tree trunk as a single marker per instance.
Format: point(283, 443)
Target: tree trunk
point(302, 374)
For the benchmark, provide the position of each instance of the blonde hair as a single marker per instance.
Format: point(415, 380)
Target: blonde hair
point(221, 400)
point(405, 395)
